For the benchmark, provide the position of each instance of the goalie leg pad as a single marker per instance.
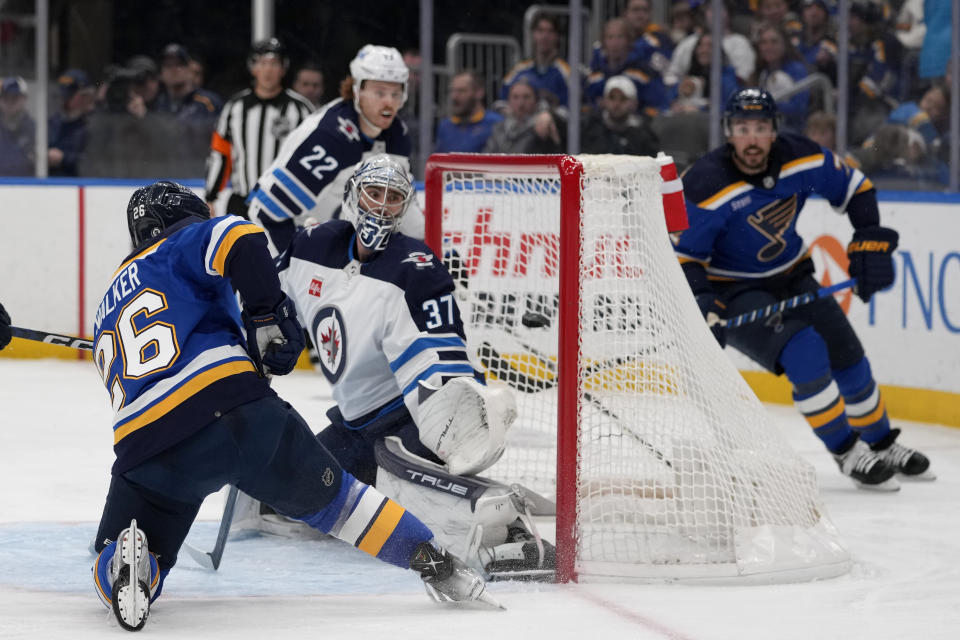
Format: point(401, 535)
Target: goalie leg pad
point(476, 519)
point(465, 423)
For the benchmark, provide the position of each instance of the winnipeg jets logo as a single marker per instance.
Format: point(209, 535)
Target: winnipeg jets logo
point(420, 259)
point(331, 342)
point(348, 129)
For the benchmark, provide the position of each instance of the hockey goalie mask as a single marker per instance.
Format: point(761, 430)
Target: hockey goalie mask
point(379, 192)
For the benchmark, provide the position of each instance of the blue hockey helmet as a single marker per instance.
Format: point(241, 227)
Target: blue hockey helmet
point(157, 206)
point(752, 103)
point(378, 195)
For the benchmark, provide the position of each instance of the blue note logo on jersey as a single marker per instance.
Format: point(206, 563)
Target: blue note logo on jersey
point(772, 221)
point(331, 340)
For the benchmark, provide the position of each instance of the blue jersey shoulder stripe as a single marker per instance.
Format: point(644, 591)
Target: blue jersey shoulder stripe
point(305, 199)
point(422, 344)
point(222, 238)
point(273, 209)
point(464, 369)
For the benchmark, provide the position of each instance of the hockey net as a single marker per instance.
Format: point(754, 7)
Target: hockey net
point(661, 460)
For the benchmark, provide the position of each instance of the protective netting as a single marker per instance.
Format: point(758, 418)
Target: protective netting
point(680, 471)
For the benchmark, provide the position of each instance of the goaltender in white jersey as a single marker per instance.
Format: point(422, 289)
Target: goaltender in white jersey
point(413, 415)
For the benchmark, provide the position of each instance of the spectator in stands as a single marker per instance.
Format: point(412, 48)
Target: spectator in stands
point(874, 64)
point(821, 127)
point(816, 42)
point(935, 51)
point(681, 20)
point(777, 13)
point(525, 130)
point(737, 48)
point(897, 159)
point(616, 59)
point(616, 127)
point(67, 130)
point(648, 35)
point(692, 93)
point(308, 82)
point(910, 26)
point(125, 139)
point(195, 110)
point(146, 79)
point(198, 71)
point(547, 71)
point(17, 129)
point(779, 69)
point(469, 124)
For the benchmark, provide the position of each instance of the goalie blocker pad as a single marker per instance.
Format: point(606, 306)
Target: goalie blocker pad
point(472, 517)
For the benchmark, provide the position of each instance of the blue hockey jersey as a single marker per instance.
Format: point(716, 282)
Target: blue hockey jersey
point(168, 340)
point(380, 326)
point(310, 171)
point(744, 227)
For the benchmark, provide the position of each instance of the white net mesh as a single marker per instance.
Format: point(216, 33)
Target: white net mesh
point(680, 472)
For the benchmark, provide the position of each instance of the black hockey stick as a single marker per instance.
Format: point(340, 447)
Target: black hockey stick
point(493, 360)
point(52, 338)
point(776, 307)
point(211, 559)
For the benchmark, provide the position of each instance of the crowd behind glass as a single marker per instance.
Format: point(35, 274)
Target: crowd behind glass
point(645, 87)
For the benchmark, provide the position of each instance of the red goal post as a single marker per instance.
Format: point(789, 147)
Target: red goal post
point(662, 468)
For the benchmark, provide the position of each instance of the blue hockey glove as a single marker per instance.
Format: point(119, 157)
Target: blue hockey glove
point(275, 339)
point(4, 327)
point(712, 308)
point(871, 259)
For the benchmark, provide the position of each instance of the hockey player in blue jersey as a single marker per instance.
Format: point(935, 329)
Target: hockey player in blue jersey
point(742, 252)
point(308, 175)
point(187, 375)
point(412, 414)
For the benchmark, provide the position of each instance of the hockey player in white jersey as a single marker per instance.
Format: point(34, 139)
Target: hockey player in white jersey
point(413, 414)
point(307, 178)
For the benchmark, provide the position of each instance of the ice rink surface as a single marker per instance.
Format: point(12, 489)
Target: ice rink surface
point(55, 455)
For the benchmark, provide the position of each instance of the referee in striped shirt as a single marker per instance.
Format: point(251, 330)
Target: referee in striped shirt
point(252, 127)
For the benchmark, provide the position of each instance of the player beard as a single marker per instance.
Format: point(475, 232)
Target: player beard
point(752, 160)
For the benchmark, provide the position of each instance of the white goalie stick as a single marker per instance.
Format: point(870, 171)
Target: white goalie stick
point(211, 559)
point(207, 559)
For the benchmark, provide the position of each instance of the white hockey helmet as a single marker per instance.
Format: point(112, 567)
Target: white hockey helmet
point(376, 198)
point(374, 62)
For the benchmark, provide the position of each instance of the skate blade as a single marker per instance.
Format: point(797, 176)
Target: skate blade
point(482, 601)
point(885, 486)
point(926, 476)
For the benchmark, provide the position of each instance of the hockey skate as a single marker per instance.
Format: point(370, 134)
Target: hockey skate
point(447, 579)
point(130, 571)
point(908, 463)
point(866, 468)
point(522, 557)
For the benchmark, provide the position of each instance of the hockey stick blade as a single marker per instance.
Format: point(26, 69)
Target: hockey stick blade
point(211, 560)
point(52, 338)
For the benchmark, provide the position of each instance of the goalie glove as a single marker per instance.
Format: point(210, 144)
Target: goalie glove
point(275, 339)
point(465, 423)
point(871, 259)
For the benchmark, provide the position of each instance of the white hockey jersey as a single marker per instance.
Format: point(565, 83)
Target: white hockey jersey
point(381, 326)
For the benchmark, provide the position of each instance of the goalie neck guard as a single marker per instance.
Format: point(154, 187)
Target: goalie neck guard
point(378, 195)
point(155, 207)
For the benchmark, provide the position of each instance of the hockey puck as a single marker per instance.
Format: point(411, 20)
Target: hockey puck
point(535, 320)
